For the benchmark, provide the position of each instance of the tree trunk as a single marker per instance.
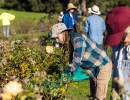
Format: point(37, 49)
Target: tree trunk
point(83, 7)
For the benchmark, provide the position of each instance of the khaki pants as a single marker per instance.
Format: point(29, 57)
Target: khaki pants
point(101, 84)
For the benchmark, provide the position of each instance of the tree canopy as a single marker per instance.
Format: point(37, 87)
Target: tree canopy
point(58, 5)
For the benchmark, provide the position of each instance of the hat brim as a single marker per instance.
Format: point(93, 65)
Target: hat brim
point(55, 36)
point(98, 13)
point(71, 8)
point(114, 39)
point(68, 29)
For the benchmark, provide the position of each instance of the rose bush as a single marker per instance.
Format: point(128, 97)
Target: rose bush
point(39, 69)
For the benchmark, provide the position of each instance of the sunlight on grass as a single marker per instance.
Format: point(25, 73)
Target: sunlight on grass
point(80, 90)
point(20, 14)
point(27, 36)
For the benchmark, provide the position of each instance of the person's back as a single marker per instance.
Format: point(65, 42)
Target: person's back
point(92, 50)
point(95, 27)
point(6, 18)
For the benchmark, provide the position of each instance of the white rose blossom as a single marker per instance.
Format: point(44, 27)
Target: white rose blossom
point(13, 88)
point(6, 96)
point(49, 49)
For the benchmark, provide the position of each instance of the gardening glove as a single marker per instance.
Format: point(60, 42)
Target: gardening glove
point(70, 68)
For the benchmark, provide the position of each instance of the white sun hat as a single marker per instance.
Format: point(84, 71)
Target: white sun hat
point(95, 10)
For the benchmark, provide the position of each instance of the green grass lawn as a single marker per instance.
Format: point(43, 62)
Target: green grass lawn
point(27, 36)
point(80, 90)
point(25, 22)
point(22, 14)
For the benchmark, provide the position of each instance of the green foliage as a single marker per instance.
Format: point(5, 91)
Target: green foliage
point(53, 6)
point(36, 5)
point(58, 5)
point(2, 2)
point(33, 5)
point(39, 71)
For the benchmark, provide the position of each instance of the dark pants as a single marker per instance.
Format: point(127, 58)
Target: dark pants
point(93, 83)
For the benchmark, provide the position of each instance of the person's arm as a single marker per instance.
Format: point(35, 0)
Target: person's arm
point(11, 17)
point(104, 26)
point(65, 20)
point(79, 48)
point(86, 25)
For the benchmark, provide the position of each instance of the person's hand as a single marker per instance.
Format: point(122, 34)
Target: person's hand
point(69, 68)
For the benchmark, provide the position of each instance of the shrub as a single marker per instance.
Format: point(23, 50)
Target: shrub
point(39, 71)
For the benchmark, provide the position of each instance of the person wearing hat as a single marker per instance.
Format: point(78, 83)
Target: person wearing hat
point(89, 11)
point(87, 55)
point(95, 25)
point(60, 17)
point(118, 37)
point(70, 17)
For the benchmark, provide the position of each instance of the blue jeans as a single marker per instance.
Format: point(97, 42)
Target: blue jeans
point(6, 31)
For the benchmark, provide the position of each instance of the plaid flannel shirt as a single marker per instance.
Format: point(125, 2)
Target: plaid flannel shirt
point(87, 54)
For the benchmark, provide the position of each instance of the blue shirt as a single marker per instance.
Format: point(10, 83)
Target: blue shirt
point(69, 21)
point(86, 53)
point(95, 26)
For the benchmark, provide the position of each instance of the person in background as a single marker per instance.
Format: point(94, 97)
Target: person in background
point(79, 12)
point(50, 18)
point(89, 11)
point(118, 37)
point(6, 18)
point(86, 55)
point(50, 15)
point(70, 18)
point(41, 24)
point(60, 17)
point(95, 25)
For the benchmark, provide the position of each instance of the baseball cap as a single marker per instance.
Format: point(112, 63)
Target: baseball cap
point(58, 28)
point(117, 20)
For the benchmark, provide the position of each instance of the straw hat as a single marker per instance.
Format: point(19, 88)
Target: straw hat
point(71, 6)
point(95, 10)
